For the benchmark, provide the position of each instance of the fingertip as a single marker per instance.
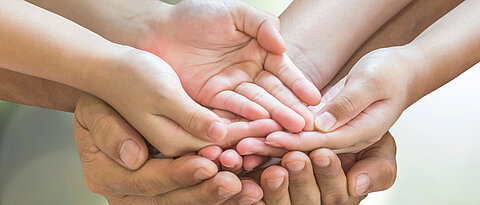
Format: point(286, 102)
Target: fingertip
point(303, 111)
point(325, 122)
point(133, 154)
point(211, 152)
point(230, 159)
point(270, 38)
point(246, 146)
point(251, 162)
point(228, 184)
point(275, 139)
point(251, 192)
point(217, 131)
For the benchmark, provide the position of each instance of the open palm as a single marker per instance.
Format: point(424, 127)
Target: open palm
point(229, 56)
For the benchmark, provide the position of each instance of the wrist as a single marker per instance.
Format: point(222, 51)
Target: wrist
point(409, 64)
point(139, 22)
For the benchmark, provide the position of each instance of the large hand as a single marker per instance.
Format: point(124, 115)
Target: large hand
point(326, 178)
point(228, 56)
point(114, 155)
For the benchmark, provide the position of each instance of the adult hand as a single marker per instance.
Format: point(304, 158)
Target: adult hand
point(114, 160)
point(325, 178)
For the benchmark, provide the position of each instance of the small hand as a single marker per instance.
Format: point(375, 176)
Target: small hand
point(358, 110)
point(228, 56)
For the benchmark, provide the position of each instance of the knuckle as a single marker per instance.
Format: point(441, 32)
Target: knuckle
point(103, 127)
point(347, 104)
point(335, 198)
point(146, 187)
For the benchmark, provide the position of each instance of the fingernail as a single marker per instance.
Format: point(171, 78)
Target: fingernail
point(230, 166)
point(129, 153)
point(322, 161)
point(325, 122)
point(363, 182)
point(275, 183)
point(222, 192)
point(217, 131)
point(273, 144)
point(295, 166)
point(201, 174)
point(245, 201)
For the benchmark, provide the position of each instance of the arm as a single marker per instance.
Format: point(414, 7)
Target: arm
point(445, 50)
point(322, 35)
point(29, 90)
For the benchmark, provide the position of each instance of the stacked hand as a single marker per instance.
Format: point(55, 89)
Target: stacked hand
point(238, 70)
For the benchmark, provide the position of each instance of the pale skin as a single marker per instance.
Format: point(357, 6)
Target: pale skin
point(373, 44)
point(387, 81)
point(89, 65)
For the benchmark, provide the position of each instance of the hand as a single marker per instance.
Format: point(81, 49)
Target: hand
point(228, 56)
point(114, 160)
point(359, 109)
point(326, 178)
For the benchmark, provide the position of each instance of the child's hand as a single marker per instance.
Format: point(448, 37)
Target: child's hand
point(358, 110)
point(229, 56)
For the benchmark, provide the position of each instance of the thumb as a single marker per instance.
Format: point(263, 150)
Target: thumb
point(376, 169)
point(110, 133)
point(345, 106)
point(259, 25)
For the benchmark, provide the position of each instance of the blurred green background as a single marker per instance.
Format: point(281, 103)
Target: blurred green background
point(437, 138)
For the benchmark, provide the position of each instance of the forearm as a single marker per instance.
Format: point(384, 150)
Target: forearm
point(120, 21)
point(327, 33)
point(445, 50)
point(29, 90)
point(36, 42)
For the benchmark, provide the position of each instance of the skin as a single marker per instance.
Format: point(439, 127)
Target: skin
point(80, 66)
point(387, 81)
point(374, 42)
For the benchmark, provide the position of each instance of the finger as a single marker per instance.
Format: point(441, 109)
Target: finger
point(274, 182)
point(302, 185)
point(258, 24)
point(231, 161)
point(105, 176)
point(216, 190)
point(376, 168)
point(111, 133)
point(161, 176)
point(251, 193)
point(212, 153)
point(238, 104)
point(288, 118)
point(330, 177)
point(251, 162)
point(284, 69)
point(278, 90)
point(164, 129)
point(240, 130)
point(366, 129)
point(194, 118)
point(346, 105)
point(257, 146)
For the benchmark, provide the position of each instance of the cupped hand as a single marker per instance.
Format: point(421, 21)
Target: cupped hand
point(327, 178)
point(229, 56)
point(359, 109)
point(114, 160)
